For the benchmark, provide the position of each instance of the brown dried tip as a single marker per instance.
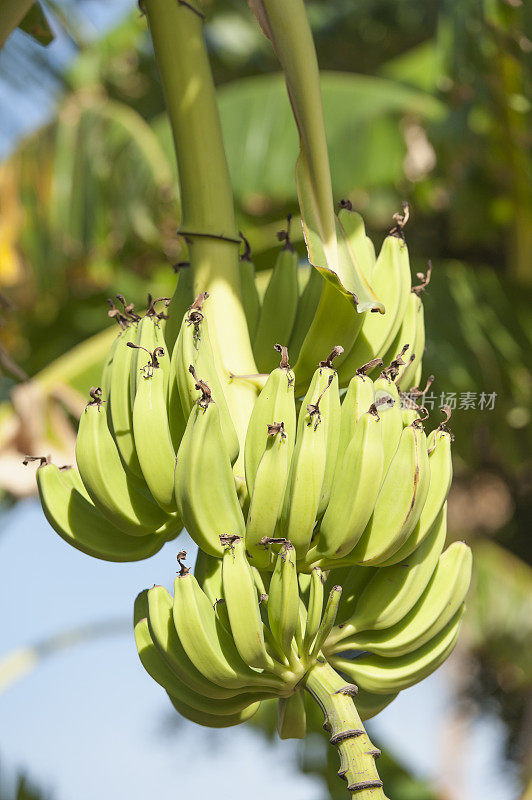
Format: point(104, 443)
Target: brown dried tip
point(313, 409)
point(365, 368)
point(154, 356)
point(415, 391)
point(114, 313)
point(151, 312)
point(246, 255)
point(446, 411)
point(284, 355)
point(400, 221)
point(335, 352)
point(229, 539)
point(284, 236)
point(373, 410)
point(424, 277)
point(195, 311)
point(392, 371)
point(41, 459)
point(266, 541)
point(95, 393)
point(275, 428)
point(129, 308)
point(201, 386)
point(183, 570)
point(347, 204)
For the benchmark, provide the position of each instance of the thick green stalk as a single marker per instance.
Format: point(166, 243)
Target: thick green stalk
point(208, 219)
point(357, 754)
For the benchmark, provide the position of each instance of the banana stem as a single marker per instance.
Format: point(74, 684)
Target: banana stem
point(208, 218)
point(357, 753)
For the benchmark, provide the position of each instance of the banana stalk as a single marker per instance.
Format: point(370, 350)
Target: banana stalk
point(337, 700)
point(208, 219)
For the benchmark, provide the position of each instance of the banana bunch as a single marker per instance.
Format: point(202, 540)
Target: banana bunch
point(118, 503)
point(228, 640)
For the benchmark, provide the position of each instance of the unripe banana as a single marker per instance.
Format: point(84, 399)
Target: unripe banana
point(208, 507)
point(315, 608)
point(391, 282)
point(150, 335)
point(210, 648)
point(369, 705)
point(388, 404)
point(113, 491)
point(208, 573)
point(442, 598)
point(405, 342)
point(71, 513)
point(212, 720)
point(393, 591)
point(330, 411)
point(353, 580)
point(161, 672)
point(278, 308)
point(240, 595)
point(308, 468)
point(182, 299)
point(274, 404)
point(441, 473)
point(355, 231)
point(408, 377)
point(400, 500)
point(291, 716)
point(306, 309)
point(193, 360)
point(355, 490)
point(381, 675)
point(153, 443)
point(120, 407)
point(283, 599)
point(357, 400)
point(268, 494)
point(165, 638)
point(327, 621)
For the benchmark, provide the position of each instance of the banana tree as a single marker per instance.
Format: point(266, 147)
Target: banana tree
point(321, 523)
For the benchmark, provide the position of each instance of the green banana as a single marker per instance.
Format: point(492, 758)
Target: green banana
point(291, 716)
point(240, 595)
point(400, 500)
point(194, 362)
point(153, 443)
point(160, 671)
point(278, 310)
point(120, 407)
point(182, 299)
point(354, 491)
point(393, 591)
point(212, 720)
point(165, 638)
point(207, 508)
point(283, 599)
point(113, 491)
point(315, 608)
point(75, 518)
point(442, 598)
point(369, 705)
point(208, 645)
point(391, 282)
point(357, 400)
point(381, 675)
point(306, 309)
point(327, 621)
point(208, 573)
point(308, 467)
point(275, 404)
point(388, 404)
point(441, 473)
point(355, 231)
point(268, 494)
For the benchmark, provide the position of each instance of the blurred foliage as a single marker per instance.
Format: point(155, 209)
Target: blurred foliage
point(428, 102)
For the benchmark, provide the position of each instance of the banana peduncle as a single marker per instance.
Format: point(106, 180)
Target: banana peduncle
point(342, 721)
